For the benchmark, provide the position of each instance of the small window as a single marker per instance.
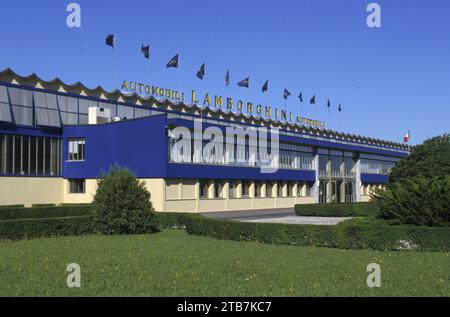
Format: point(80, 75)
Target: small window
point(77, 186)
point(204, 189)
point(76, 150)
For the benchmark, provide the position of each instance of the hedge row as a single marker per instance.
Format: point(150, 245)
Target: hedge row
point(337, 210)
point(173, 220)
point(344, 237)
point(44, 212)
point(47, 227)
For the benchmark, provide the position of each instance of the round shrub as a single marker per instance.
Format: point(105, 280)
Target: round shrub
point(122, 204)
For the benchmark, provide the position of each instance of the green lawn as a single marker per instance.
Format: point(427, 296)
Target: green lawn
point(172, 263)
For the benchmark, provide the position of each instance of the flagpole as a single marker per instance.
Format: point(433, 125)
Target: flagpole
point(115, 67)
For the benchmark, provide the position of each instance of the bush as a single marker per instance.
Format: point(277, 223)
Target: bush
point(122, 204)
point(34, 228)
point(418, 201)
point(337, 210)
point(344, 237)
point(44, 212)
point(430, 159)
point(172, 220)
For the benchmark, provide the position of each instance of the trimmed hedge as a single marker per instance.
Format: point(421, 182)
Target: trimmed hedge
point(50, 227)
point(173, 220)
point(344, 237)
point(337, 210)
point(44, 212)
point(11, 206)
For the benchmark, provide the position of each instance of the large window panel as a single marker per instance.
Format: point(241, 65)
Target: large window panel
point(2, 153)
point(69, 118)
point(23, 115)
point(21, 97)
point(5, 112)
point(68, 104)
point(85, 104)
point(48, 118)
point(45, 100)
point(4, 94)
point(83, 119)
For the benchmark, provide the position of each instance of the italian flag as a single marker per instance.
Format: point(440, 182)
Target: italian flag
point(406, 137)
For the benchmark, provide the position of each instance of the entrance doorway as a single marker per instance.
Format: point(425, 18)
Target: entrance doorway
point(336, 191)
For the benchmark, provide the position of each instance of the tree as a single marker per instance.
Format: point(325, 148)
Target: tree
point(418, 201)
point(122, 204)
point(430, 159)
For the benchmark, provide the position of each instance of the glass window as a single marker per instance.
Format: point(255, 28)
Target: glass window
point(204, 189)
point(233, 189)
point(45, 100)
point(76, 150)
point(5, 112)
point(21, 97)
point(218, 189)
point(23, 115)
point(4, 94)
point(68, 104)
point(85, 104)
point(245, 189)
point(77, 186)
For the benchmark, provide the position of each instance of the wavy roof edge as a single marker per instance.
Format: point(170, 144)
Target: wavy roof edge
point(132, 98)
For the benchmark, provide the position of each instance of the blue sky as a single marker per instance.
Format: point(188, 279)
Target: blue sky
point(389, 80)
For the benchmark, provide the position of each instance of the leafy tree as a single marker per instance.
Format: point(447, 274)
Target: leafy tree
point(430, 159)
point(122, 204)
point(416, 201)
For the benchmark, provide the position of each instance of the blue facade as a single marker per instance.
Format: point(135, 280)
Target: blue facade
point(141, 143)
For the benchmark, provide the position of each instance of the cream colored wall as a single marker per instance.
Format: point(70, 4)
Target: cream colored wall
point(157, 189)
point(84, 198)
point(166, 195)
point(30, 190)
point(181, 196)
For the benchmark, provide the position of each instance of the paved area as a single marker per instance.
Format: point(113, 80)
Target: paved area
point(284, 215)
point(251, 214)
point(300, 220)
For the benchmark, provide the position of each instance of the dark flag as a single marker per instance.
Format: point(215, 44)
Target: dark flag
point(227, 78)
point(173, 62)
point(328, 103)
point(286, 94)
point(201, 71)
point(110, 40)
point(244, 82)
point(146, 51)
point(265, 87)
point(313, 100)
point(340, 108)
point(300, 97)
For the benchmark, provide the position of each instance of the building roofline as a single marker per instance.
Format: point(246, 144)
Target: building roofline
point(78, 88)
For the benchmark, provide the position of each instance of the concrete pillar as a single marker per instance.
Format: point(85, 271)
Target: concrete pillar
point(329, 192)
point(239, 190)
point(211, 190)
point(295, 190)
point(284, 189)
point(264, 190)
point(251, 190)
point(342, 192)
point(358, 184)
point(315, 188)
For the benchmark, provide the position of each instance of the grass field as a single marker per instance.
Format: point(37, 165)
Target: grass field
point(172, 263)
